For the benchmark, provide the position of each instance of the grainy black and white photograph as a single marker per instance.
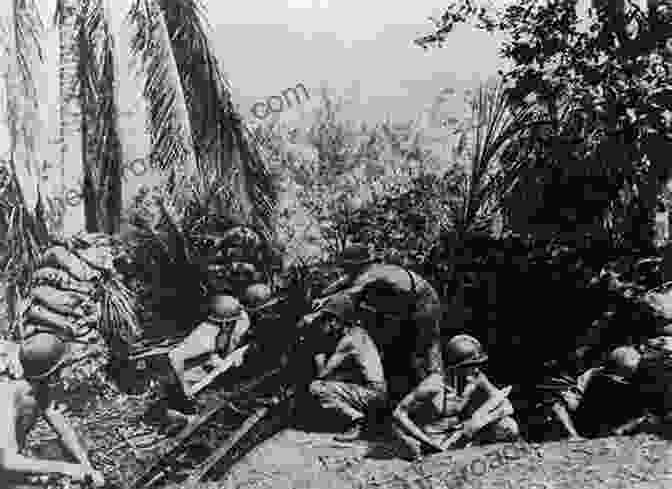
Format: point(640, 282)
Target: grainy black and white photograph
point(335, 244)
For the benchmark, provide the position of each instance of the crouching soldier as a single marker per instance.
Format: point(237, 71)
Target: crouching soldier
point(462, 404)
point(27, 373)
point(220, 334)
point(350, 379)
point(607, 401)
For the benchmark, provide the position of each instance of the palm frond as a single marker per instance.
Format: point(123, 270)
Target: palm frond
point(27, 27)
point(99, 71)
point(227, 151)
point(494, 124)
point(119, 325)
point(23, 223)
point(170, 125)
point(24, 52)
point(25, 235)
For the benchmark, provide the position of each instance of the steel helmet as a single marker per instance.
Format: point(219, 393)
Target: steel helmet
point(257, 295)
point(464, 350)
point(224, 308)
point(622, 362)
point(41, 355)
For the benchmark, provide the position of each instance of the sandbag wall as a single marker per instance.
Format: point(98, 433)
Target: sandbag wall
point(65, 291)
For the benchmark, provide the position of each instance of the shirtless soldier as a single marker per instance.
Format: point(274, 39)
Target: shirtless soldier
point(413, 306)
point(27, 372)
point(427, 417)
point(350, 378)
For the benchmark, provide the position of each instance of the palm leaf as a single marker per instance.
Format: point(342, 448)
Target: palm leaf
point(101, 74)
point(494, 124)
point(23, 224)
point(170, 126)
point(227, 151)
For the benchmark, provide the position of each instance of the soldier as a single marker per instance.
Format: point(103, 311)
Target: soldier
point(610, 385)
point(442, 404)
point(27, 374)
point(350, 379)
point(220, 334)
point(266, 322)
point(400, 296)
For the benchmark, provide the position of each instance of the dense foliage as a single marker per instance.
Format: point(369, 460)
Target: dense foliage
point(604, 84)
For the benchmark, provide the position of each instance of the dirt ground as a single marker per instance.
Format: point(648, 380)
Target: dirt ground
point(122, 444)
point(296, 459)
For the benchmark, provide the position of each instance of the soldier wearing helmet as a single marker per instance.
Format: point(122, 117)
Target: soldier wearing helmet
point(221, 333)
point(349, 373)
point(260, 302)
point(462, 399)
point(394, 298)
point(609, 385)
point(27, 372)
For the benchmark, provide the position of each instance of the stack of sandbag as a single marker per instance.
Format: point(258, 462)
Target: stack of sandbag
point(66, 289)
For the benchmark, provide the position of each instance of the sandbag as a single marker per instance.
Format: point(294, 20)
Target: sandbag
point(63, 301)
point(99, 258)
point(60, 279)
point(61, 258)
point(40, 315)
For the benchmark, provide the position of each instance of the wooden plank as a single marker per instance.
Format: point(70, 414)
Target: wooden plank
point(223, 450)
point(191, 428)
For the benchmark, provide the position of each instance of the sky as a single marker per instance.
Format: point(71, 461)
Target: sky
point(362, 50)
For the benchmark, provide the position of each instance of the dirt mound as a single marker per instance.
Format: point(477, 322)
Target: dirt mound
point(296, 459)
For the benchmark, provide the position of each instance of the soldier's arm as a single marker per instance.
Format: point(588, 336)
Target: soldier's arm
point(343, 352)
point(69, 437)
point(423, 393)
point(11, 461)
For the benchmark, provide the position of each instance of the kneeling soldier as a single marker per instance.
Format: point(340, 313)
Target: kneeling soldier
point(220, 334)
point(350, 379)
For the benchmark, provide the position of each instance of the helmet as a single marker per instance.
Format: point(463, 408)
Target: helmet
point(357, 254)
point(224, 308)
point(622, 362)
point(41, 355)
point(339, 305)
point(463, 350)
point(257, 295)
